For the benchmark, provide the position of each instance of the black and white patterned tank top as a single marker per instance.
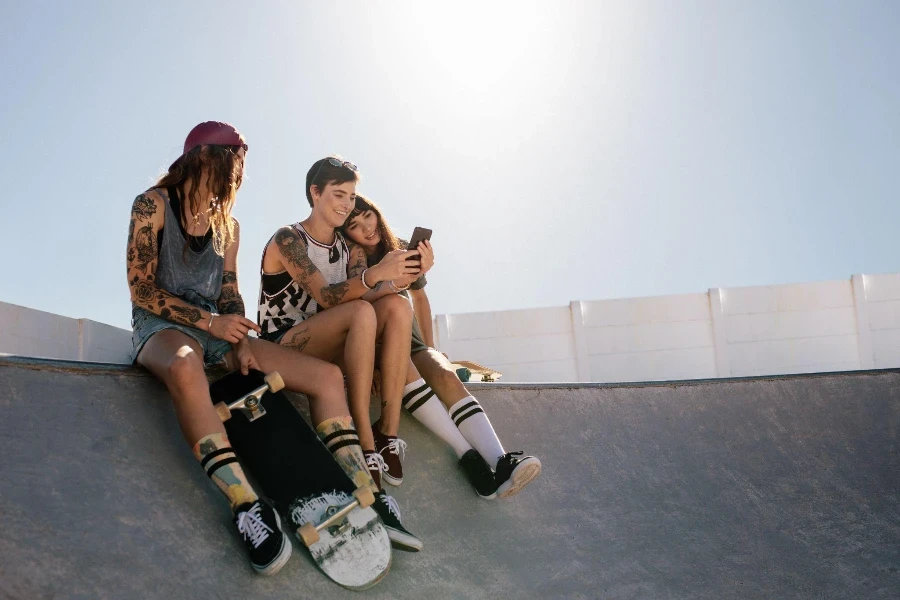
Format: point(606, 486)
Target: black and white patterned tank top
point(282, 302)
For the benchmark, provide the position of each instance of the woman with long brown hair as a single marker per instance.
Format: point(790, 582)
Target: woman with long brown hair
point(188, 315)
point(455, 415)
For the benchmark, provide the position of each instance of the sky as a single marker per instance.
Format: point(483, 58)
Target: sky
point(559, 150)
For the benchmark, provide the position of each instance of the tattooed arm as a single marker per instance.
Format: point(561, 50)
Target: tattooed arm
point(142, 256)
point(231, 305)
point(230, 301)
point(289, 250)
point(358, 265)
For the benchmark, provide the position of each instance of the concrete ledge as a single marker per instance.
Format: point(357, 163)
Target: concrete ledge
point(772, 487)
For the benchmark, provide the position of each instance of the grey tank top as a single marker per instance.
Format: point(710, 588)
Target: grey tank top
point(195, 277)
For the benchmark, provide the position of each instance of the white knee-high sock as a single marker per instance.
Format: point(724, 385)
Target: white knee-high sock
point(469, 417)
point(420, 401)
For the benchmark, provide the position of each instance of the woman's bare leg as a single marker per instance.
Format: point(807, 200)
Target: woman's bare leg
point(321, 382)
point(439, 374)
point(344, 334)
point(394, 319)
point(176, 359)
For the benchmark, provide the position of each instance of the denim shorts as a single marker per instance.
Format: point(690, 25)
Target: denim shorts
point(275, 336)
point(417, 342)
point(145, 324)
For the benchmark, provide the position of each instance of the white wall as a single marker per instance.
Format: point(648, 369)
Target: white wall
point(29, 332)
point(725, 332)
point(882, 317)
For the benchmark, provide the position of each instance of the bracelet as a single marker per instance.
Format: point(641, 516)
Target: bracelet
point(209, 325)
point(363, 278)
point(394, 288)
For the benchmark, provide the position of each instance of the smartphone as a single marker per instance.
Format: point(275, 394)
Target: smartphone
point(420, 234)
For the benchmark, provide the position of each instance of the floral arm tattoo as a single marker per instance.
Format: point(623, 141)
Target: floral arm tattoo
point(295, 258)
point(230, 301)
point(142, 257)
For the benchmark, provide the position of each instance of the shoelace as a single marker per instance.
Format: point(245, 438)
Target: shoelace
point(510, 457)
point(392, 505)
point(251, 525)
point(376, 460)
point(398, 447)
point(507, 462)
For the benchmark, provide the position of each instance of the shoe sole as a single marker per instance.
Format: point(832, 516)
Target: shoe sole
point(283, 555)
point(404, 541)
point(391, 480)
point(523, 474)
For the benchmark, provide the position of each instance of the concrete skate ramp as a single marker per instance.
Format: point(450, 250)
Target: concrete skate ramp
point(780, 487)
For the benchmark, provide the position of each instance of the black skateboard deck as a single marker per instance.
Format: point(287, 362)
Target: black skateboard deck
point(276, 445)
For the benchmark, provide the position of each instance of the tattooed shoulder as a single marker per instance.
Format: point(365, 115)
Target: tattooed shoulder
point(293, 250)
point(287, 236)
point(144, 207)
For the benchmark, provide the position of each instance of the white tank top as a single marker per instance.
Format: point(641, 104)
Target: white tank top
point(282, 301)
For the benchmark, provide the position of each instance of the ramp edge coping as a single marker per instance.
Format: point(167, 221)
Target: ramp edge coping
point(99, 368)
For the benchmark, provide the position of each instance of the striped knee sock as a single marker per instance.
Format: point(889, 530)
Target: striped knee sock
point(420, 401)
point(469, 417)
point(218, 459)
point(340, 437)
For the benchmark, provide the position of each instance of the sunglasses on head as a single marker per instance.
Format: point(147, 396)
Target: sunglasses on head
point(335, 162)
point(339, 163)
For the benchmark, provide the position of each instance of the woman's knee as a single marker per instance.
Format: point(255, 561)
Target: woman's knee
point(395, 306)
point(330, 380)
point(362, 313)
point(184, 370)
point(449, 380)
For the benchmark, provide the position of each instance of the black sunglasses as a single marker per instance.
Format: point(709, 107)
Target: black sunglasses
point(335, 163)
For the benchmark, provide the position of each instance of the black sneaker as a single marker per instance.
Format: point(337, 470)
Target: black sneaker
point(260, 525)
point(514, 471)
point(389, 511)
point(479, 474)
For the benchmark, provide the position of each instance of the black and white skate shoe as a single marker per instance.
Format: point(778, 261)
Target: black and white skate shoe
point(260, 526)
point(514, 471)
point(389, 511)
point(479, 474)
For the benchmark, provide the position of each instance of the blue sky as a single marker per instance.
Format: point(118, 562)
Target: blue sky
point(559, 151)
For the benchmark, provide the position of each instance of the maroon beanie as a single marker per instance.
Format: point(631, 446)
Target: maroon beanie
point(215, 133)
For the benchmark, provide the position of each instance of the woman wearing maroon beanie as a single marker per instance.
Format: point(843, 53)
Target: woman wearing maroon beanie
point(188, 315)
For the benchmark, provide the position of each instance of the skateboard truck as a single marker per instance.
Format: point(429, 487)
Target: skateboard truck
point(250, 404)
point(309, 532)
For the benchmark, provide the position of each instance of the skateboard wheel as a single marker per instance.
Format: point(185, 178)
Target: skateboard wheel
point(274, 381)
point(308, 534)
point(223, 411)
point(364, 496)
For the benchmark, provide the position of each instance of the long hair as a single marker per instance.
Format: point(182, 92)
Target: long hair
point(223, 180)
point(389, 241)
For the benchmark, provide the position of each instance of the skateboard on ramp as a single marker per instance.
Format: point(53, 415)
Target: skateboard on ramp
point(472, 371)
point(327, 511)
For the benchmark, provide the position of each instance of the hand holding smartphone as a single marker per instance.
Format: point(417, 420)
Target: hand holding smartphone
point(419, 235)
